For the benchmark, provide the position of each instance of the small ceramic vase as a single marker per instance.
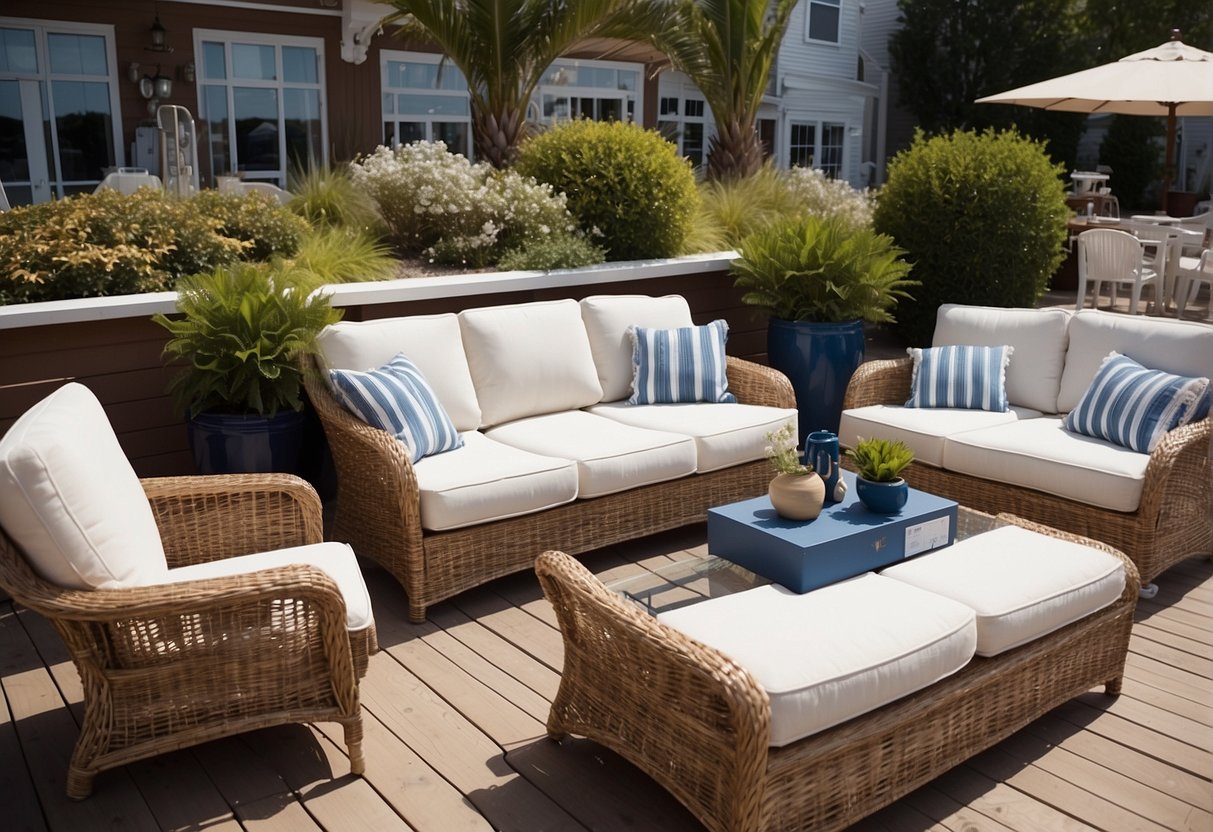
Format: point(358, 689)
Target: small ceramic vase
point(797, 496)
point(882, 497)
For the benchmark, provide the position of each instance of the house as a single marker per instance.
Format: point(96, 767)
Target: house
point(272, 83)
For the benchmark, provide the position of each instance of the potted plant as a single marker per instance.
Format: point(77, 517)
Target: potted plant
point(878, 464)
point(242, 331)
point(797, 493)
point(820, 280)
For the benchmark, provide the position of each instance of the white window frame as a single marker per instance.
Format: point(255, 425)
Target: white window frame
point(808, 19)
point(227, 38)
point(819, 127)
point(680, 120)
point(634, 97)
point(385, 90)
point(44, 75)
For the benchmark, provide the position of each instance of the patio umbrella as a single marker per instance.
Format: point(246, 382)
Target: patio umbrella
point(1169, 80)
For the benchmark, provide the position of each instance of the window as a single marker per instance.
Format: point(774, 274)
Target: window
point(766, 135)
point(832, 139)
point(425, 99)
point(817, 145)
point(598, 90)
point(689, 130)
point(801, 145)
point(822, 20)
point(261, 100)
point(58, 102)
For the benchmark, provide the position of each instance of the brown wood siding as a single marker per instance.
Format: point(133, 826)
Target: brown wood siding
point(121, 360)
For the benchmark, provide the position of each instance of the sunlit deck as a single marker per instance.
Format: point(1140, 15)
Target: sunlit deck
point(454, 720)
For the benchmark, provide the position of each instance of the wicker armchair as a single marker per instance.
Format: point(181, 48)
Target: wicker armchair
point(188, 659)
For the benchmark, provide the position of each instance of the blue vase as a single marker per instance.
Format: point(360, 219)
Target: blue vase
point(819, 360)
point(882, 497)
point(821, 451)
point(227, 443)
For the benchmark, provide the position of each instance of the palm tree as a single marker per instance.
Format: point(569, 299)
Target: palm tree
point(503, 47)
point(727, 48)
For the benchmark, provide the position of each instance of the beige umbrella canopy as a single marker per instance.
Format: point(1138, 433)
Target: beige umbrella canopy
point(1169, 80)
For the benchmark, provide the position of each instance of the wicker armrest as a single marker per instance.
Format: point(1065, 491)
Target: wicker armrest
point(755, 384)
point(689, 716)
point(879, 382)
point(1177, 482)
point(205, 518)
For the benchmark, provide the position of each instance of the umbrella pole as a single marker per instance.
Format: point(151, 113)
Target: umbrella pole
point(1168, 170)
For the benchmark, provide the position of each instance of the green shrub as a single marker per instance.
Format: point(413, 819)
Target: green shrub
point(982, 217)
point(559, 251)
point(732, 209)
point(327, 198)
point(338, 255)
point(626, 186)
point(255, 218)
point(105, 244)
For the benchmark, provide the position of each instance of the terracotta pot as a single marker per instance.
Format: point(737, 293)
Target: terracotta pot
point(797, 496)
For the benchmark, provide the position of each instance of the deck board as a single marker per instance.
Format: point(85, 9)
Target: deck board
point(454, 736)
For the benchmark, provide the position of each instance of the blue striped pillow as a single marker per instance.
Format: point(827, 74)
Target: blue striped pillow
point(686, 364)
point(397, 398)
point(971, 378)
point(1133, 406)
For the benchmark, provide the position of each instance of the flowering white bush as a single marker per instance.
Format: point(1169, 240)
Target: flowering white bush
point(438, 203)
point(823, 197)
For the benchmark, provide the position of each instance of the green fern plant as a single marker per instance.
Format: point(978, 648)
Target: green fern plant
point(241, 333)
point(880, 460)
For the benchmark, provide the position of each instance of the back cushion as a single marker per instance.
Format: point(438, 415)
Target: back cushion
point(1038, 336)
point(528, 359)
point(72, 502)
point(432, 342)
point(607, 318)
point(1180, 347)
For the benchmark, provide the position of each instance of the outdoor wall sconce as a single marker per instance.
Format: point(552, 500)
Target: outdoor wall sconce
point(159, 33)
point(187, 73)
point(154, 89)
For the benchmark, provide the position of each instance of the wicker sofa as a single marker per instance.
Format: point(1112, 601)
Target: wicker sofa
point(1156, 507)
point(552, 456)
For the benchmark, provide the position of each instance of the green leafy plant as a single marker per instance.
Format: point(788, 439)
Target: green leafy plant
point(880, 460)
point(269, 229)
point(558, 251)
point(782, 452)
point(981, 216)
point(731, 209)
point(822, 270)
point(338, 255)
point(626, 186)
point(327, 198)
point(241, 334)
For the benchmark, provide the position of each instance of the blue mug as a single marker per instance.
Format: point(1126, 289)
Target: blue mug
point(821, 451)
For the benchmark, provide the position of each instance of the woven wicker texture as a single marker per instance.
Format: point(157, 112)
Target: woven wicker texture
point(378, 508)
point(1173, 522)
point(698, 724)
point(165, 667)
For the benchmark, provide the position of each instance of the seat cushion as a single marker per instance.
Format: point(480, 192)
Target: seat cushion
point(335, 559)
point(1039, 337)
point(724, 434)
point(486, 480)
point(675, 366)
point(1184, 348)
point(1042, 454)
point(958, 376)
point(923, 430)
point(607, 319)
point(836, 652)
point(528, 359)
point(432, 342)
point(70, 499)
point(1021, 584)
point(610, 456)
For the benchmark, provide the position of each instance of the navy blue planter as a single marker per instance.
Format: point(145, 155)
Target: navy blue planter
point(224, 443)
point(819, 360)
point(882, 497)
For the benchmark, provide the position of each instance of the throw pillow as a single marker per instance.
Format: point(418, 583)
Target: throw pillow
point(971, 378)
point(1134, 406)
point(685, 364)
point(397, 398)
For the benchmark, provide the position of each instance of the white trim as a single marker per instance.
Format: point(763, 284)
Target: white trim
point(808, 17)
point(266, 7)
point(576, 91)
point(396, 117)
point(16, 316)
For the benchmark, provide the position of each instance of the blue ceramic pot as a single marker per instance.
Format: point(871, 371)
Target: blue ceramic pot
point(819, 360)
point(882, 497)
point(226, 443)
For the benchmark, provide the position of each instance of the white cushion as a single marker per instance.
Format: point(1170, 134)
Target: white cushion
point(837, 652)
point(1038, 336)
point(610, 456)
point(70, 499)
point(1021, 584)
point(1042, 454)
point(1184, 348)
point(432, 342)
point(724, 434)
point(486, 480)
point(529, 358)
point(922, 429)
point(335, 559)
point(607, 318)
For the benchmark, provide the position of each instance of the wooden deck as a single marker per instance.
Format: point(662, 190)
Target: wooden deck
point(455, 711)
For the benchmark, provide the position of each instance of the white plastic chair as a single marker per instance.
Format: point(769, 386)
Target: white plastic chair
point(1106, 255)
point(128, 180)
point(269, 188)
point(1192, 272)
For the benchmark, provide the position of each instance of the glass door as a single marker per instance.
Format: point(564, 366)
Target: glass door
point(23, 154)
